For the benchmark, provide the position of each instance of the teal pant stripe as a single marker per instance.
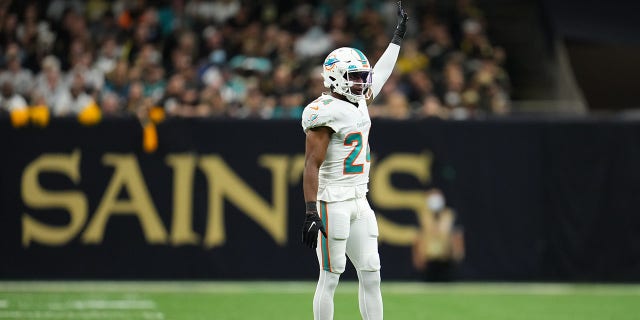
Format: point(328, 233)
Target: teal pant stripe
point(326, 261)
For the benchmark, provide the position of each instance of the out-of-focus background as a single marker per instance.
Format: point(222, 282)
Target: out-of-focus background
point(161, 140)
point(462, 59)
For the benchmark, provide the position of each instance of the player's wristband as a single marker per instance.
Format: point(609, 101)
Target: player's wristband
point(398, 35)
point(311, 206)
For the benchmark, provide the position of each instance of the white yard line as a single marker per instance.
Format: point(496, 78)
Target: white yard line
point(98, 304)
point(142, 309)
point(89, 314)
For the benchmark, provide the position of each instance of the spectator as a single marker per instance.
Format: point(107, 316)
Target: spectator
point(417, 86)
point(50, 84)
point(108, 55)
point(397, 106)
point(172, 95)
point(82, 65)
point(154, 82)
point(9, 27)
point(314, 87)
point(9, 99)
point(79, 99)
point(338, 28)
point(188, 102)
point(452, 87)
point(212, 105)
point(290, 106)
point(411, 58)
point(379, 108)
point(438, 45)
point(117, 80)
point(28, 30)
point(214, 48)
point(106, 25)
point(111, 105)
point(282, 81)
point(135, 97)
point(431, 107)
point(20, 78)
point(254, 106)
point(57, 8)
point(313, 43)
point(255, 58)
point(475, 43)
point(216, 11)
point(73, 37)
point(439, 245)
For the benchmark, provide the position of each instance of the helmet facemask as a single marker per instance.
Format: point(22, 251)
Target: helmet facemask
point(359, 83)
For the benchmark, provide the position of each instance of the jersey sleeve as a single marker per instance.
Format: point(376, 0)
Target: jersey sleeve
point(384, 67)
point(318, 115)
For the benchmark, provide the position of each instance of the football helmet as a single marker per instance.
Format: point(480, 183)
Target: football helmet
point(347, 71)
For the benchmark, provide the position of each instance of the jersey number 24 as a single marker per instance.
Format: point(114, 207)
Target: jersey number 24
point(354, 140)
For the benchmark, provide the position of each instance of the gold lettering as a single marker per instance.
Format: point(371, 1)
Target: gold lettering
point(35, 196)
point(225, 184)
point(182, 222)
point(297, 166)
point(126, 175)
point(385, 196)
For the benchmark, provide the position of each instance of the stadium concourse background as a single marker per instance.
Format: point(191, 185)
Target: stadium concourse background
point(553, 200)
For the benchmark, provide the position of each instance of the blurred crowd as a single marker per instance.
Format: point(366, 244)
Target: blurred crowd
point(241, 59)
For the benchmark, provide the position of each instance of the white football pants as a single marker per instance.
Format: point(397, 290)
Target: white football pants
point(352, 232)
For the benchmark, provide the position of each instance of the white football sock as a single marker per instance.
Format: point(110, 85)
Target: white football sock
point(369, 295)
point(323, 299)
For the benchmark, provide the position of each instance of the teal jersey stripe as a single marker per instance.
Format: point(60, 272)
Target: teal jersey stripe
point(368, 153)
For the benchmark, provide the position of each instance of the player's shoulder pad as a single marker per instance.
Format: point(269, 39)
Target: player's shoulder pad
point(320, 113)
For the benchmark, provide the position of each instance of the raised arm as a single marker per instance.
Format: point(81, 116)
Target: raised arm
point(383, 68)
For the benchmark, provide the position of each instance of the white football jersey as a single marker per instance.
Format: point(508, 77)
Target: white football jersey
point(344, 174)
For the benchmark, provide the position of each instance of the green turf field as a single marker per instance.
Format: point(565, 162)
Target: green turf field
point(292, 300)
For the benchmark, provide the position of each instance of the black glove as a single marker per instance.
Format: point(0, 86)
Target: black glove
point(312, 223)
point(401, 28)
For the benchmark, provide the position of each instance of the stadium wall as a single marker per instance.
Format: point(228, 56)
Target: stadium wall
point(537, 200)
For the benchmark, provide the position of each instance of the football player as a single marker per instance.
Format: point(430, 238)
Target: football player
point(336, 173)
